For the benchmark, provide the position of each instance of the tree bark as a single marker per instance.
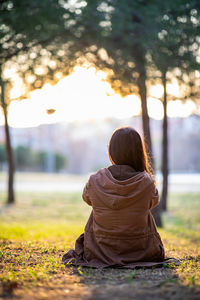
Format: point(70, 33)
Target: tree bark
point(147, 136)
point(9, 152)
point(145, 116)
point(165, 158)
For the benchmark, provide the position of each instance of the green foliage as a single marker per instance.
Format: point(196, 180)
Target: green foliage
point(33, 47)
point(41, 159)
point(23, 157)
point(27, 159)
point(132, 275)
point(61, 34)
point(175, 49)
point(2, 154)
point(60, 161)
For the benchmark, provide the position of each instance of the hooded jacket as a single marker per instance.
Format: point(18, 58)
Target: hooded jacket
point(121, 230)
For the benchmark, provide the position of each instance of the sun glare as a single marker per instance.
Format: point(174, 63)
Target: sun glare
point(184, 109)
point(173, 88)
point(155, 108)
point(85, 95)
point(156, 91)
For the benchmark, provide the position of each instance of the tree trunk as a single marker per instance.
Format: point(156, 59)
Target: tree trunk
point(11, 198)
point(147, 136)
point(145, 116)
point(165, 170)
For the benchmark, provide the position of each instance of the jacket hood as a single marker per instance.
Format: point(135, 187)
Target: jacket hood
point(119, 185)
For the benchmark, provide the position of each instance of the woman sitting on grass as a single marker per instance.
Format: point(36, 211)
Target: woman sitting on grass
point(121, 231)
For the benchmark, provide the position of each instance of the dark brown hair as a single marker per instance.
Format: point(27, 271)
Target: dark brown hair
point(127, 148)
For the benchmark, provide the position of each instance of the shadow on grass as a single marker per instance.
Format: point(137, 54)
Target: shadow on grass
point(84, 283)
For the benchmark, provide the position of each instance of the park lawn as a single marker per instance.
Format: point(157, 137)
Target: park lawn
point(41, 227)
point(44, 177)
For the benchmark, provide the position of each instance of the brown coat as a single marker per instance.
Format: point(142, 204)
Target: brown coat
point(121, 230)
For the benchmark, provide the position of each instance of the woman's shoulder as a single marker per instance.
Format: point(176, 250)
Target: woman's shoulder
point(96, 174)
point(104, 175)
point(149, 178)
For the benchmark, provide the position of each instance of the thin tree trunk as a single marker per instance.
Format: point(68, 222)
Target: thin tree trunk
point(11, 198)
point(147, 136)
point(145, 116)
point(165, 170)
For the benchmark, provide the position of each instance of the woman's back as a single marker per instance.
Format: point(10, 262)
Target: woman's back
point(121, 229)
point(121, 206)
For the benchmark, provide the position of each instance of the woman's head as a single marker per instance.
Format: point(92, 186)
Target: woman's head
point(126, 148)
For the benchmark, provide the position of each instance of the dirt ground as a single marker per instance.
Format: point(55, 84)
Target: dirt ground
point(107, 284)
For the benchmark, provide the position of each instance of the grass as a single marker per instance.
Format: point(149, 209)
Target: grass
point(44, 177)
point(41, 227)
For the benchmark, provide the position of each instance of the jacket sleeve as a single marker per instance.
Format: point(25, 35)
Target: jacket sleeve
point(154, 197)
point(85, 194)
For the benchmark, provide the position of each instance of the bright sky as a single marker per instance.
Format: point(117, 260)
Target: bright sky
point(85, 95)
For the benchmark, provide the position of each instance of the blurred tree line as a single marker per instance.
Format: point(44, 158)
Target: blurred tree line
point(137, 43)
point(28, 160)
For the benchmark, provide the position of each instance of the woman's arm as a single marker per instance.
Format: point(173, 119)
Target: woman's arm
point(154, 197)
point(85, 194)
